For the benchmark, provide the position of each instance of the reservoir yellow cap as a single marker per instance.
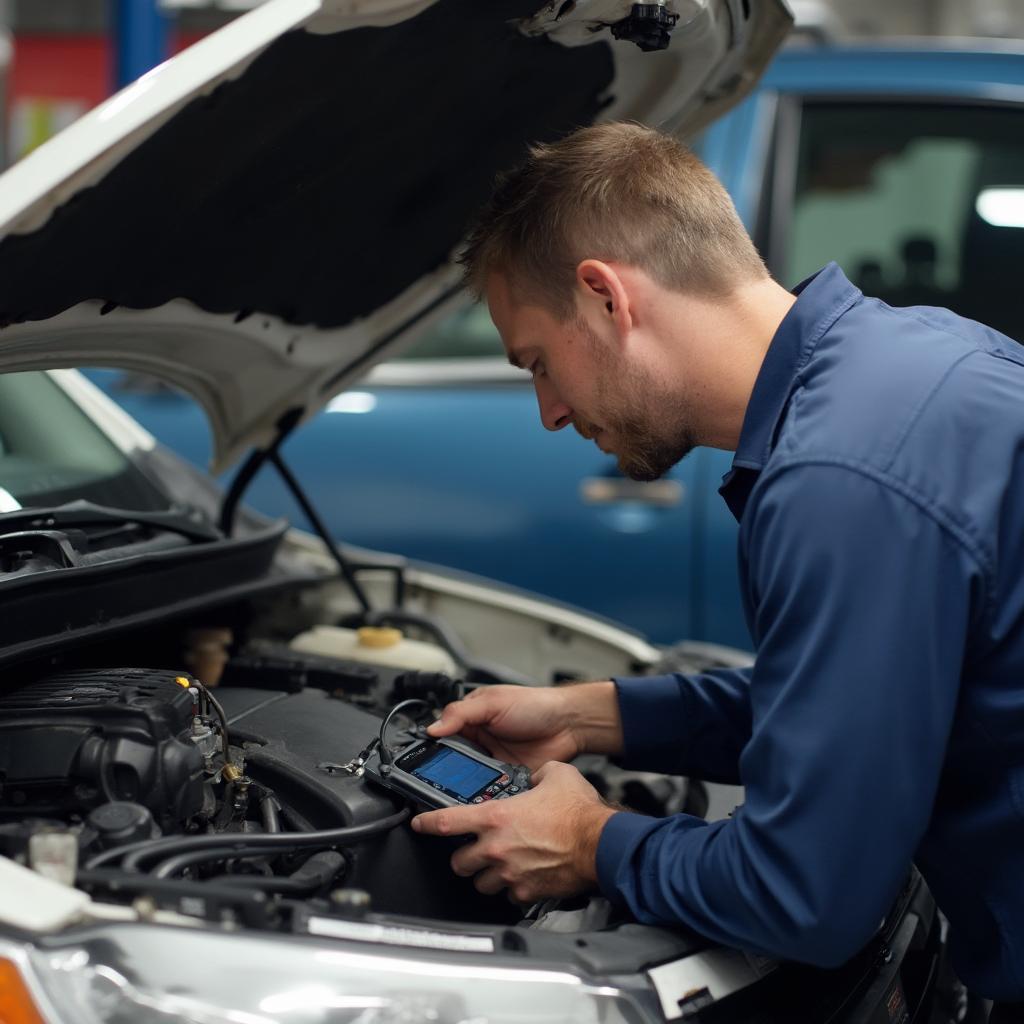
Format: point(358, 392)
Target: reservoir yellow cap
point(379, 636)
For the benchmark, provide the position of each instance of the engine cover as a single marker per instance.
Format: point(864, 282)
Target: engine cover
point(73, 741)
point(288, 738)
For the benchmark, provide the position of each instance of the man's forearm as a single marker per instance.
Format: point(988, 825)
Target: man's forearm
point(593, 710)
point(686, 725)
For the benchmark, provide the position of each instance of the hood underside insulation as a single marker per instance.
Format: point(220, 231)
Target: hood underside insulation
point(332, 175)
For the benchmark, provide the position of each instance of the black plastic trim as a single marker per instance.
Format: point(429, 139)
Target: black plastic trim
point(50, 611)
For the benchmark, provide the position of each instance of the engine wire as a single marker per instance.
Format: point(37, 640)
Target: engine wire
point(170, 866)
point(135, 854)
point(266, 883)
point(225, 742)
point(384, 752)
point(268, 811)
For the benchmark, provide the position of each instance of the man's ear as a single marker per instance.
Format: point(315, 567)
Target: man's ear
point(603, 295)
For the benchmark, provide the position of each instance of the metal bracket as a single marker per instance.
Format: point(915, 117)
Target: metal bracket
point(353, 768)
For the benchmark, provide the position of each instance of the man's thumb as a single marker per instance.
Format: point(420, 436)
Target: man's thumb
point(457, 715)
point(450, 722)
point(546, 770)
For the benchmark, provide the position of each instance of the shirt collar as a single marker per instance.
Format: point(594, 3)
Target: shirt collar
point(821, 300)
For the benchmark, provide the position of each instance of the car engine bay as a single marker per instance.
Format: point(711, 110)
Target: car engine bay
point(122, 778)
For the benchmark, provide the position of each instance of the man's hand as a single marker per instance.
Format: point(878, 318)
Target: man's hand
point(532, 725)
point(538, 844)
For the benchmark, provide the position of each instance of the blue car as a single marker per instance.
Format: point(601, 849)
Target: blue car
point(905, 165)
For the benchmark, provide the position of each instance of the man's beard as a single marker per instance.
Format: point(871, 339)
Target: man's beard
point(642, 455)
point(651, 432)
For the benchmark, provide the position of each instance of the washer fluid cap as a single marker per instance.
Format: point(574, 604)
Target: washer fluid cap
point(379, 636)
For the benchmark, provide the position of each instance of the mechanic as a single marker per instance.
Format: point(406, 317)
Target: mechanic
point(879, 486)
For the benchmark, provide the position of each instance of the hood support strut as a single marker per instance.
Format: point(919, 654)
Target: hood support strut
point(346, 567)
point(252, 465)
point(272, 454)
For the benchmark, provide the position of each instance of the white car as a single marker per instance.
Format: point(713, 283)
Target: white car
point(185, 831)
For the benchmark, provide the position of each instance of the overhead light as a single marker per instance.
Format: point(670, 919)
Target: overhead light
point(1001, 207)
point(352, 401)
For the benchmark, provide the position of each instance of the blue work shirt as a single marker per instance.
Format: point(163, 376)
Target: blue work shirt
point(879, 486)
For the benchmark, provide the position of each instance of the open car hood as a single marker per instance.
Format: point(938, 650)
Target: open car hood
point(265, 216)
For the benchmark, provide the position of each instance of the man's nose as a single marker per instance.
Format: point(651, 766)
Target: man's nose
point(554, 413)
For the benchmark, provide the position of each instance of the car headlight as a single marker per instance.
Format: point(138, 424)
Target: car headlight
point(148, 974)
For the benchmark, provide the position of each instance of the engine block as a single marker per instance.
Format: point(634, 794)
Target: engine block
point(73, 741)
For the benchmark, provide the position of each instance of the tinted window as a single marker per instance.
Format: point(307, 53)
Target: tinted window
point(51, 452)
point(920, 204)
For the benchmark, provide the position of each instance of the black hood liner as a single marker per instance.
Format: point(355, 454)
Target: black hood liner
point(322, 200)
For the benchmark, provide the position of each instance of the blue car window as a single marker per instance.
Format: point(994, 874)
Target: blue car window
point(920, 203)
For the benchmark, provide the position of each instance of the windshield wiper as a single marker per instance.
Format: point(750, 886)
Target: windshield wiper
point(77, 514)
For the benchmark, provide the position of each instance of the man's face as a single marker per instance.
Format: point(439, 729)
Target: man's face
point(584, 379)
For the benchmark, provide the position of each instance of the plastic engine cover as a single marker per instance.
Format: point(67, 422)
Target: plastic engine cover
point(73, 741)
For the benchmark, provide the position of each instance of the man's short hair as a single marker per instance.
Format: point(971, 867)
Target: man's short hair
point(616, 192)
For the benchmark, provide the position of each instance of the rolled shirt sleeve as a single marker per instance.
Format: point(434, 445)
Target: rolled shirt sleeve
point(861, 602)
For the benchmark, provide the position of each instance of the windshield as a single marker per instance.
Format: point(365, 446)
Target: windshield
point(51, 452)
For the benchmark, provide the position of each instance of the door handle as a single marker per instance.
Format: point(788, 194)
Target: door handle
point(604, 490)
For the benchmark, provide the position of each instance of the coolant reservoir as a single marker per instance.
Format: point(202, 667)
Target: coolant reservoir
point(375, 645)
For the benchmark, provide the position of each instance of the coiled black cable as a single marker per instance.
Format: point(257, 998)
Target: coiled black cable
point(382, 746)
point(135, 854)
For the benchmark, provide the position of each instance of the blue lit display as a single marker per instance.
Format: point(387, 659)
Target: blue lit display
point(456, 773)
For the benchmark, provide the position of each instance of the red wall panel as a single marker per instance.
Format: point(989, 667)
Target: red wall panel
point(55, 79)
